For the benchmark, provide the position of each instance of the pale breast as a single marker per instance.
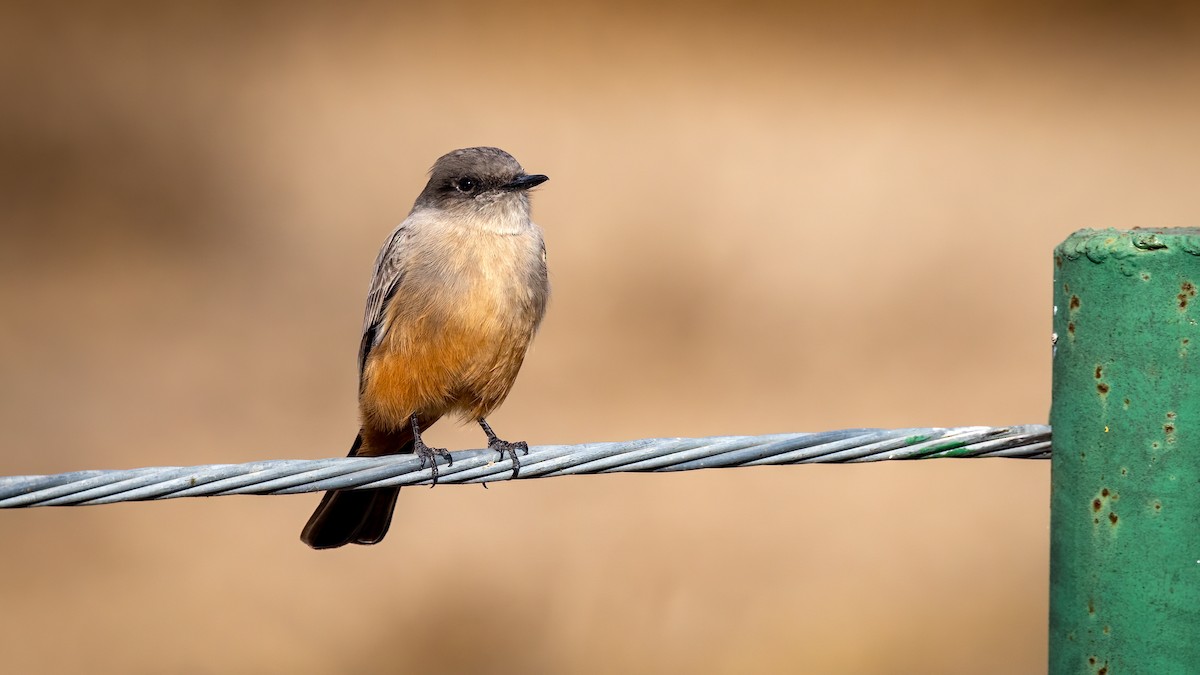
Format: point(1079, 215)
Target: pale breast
point(493, 279)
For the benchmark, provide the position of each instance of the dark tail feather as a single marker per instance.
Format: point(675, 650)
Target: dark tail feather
point(379, 516)
point(351, 516)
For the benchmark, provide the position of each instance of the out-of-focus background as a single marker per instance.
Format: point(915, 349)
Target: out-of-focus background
point(762, 217)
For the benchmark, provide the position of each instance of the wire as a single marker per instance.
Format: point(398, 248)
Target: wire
point(290, 476)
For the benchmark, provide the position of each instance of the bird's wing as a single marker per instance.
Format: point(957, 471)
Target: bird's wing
point(389, 272)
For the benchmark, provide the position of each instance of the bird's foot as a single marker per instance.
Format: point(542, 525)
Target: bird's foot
point(510, 449)
point(430, 455)
point(504, 447)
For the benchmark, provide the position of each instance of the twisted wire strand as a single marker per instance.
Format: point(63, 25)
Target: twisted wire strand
point(292, 476)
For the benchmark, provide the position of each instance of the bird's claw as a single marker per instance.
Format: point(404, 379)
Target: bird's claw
point(429, 455)
point(510, 449)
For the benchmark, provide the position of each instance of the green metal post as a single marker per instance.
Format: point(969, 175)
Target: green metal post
point(1125, 486)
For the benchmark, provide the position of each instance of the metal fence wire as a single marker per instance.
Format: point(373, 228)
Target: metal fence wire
point(290, 476)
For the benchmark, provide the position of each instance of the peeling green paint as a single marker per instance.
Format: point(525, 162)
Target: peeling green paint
point(949, 449)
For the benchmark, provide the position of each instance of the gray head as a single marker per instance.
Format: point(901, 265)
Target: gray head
point(476, 177)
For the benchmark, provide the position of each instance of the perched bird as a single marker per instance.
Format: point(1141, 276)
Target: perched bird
point(458, 292)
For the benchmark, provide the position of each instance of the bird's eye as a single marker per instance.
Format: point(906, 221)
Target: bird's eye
point(466, 184)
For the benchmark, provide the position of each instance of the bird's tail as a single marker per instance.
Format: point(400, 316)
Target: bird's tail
point(353, 516)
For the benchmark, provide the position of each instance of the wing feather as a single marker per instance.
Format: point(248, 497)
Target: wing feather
point(389, 272)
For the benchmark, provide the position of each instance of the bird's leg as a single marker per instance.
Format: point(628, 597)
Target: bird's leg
point(426, 453)
point(504, 447)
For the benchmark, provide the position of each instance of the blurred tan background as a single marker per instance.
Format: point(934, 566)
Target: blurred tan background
point(761, 218)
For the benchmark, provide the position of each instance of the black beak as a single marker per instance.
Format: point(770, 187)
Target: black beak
point(525, 182)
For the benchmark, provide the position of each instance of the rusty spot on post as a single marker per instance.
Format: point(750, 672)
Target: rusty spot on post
point(1187, 290)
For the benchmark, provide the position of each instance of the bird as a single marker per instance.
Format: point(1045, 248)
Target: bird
point(458, 292)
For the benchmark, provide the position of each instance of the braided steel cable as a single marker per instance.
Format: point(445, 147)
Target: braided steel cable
point(290, 476)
